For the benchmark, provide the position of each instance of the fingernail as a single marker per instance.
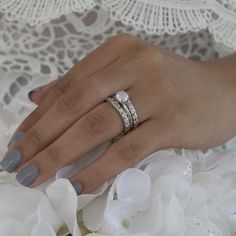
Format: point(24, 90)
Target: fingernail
point(28, 175)
point(38, 89)
point(11, 161)
point(77, 186)
point(15, 138)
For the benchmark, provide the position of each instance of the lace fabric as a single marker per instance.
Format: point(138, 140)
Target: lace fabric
point(152, 16)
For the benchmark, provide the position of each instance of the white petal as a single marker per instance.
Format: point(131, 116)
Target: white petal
point(92, 214)
point(43, 229)
point(150, 221)
point(63, 198)
point(23, 205)
point(85, 199)
point(47, 214)
point(10, 227)
point(174, 218)
point(203, 227)
point(136, 185)
point(133, 189)
point(169, 184)
point(156, 156)
point(171, 165)
point(198, 199)
point(231, 222)
point(18, 202)
point(117, 213)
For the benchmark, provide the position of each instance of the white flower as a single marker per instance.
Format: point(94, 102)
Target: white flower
point(164, 198)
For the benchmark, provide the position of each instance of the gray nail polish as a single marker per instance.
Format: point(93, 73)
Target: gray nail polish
point(35, 90)
point(28, 175)
point(77, 186)
point(11, 161)
point(15, 138)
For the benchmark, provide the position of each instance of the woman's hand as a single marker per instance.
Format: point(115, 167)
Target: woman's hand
point(180, 103)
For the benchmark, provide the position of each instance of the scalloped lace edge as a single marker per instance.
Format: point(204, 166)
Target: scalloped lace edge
point(37, 12)
point(157, 17)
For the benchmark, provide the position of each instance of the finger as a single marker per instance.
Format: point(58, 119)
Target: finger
point(98, 60)
point(38, 94)
point(93, 129)
point(67, 111)
point(123, 154)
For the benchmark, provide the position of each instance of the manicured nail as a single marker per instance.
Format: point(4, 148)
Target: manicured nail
point(77, 186)
point(28, 175)
point(11, 161)
point(38, 89)
point(15, 138)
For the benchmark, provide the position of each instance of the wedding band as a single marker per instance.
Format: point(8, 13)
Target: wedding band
point(127, 111)
point(123, 98)
point(122, 113)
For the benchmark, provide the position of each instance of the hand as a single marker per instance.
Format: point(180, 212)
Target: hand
point(180, 103)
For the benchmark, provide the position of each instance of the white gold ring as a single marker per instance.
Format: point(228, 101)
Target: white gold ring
point(122, 113)
point(123, 98)
point(122, 104)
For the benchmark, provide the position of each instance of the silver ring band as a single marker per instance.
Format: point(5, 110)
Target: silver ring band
point(122, 113)
point(133, 114)
point(127, 111)
point(123, 98)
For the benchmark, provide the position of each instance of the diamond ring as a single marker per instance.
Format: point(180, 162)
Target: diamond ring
point(123, 98)
point(122, 113)
point(121, 102)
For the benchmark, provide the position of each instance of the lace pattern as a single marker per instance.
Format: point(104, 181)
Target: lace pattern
point(37, 12)
point(152, 16)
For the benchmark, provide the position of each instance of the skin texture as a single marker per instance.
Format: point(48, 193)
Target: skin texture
point(180, 103)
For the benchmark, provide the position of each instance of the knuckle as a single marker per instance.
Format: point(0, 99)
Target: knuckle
point(70, 103)
point(127, 152)
point(90, 178)
point(35, 115)
point(124, 39)
point(97, 122)
point(62, 86)
point(35, 136)
point(53, 156)
point(31, 120)
point(70, 75)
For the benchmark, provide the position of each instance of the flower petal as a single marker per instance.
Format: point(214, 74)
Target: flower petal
point(63, 198)
point(43, 228)
point(136, 185)
point(150, 221)
point(92, 214)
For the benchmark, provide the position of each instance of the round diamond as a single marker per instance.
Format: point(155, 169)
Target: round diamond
point(122, 96)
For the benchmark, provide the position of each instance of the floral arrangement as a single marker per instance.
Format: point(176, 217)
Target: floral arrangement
point(170, 193)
